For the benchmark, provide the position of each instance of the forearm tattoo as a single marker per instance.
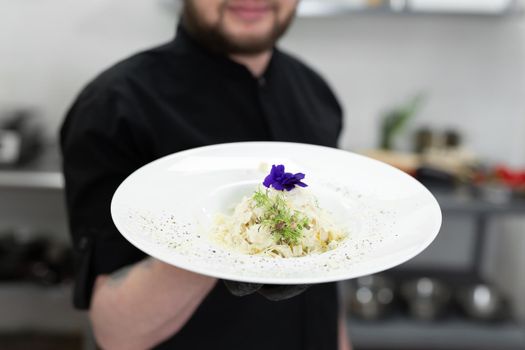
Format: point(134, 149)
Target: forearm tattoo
point(120, 275)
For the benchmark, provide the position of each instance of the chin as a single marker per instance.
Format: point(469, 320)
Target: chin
point(249, 45)
point(249, 33)
point(258, 28)
point(250, 37)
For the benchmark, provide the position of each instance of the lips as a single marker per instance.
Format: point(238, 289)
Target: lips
point(249, 11)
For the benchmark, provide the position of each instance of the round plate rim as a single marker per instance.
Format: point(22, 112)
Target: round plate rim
point(277, 280)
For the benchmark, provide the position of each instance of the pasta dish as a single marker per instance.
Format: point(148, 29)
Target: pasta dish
point(278, 223)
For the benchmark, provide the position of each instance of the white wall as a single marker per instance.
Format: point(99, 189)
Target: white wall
point(50, 49)
point(473, 69)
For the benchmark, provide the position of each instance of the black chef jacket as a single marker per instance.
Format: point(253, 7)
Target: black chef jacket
point(176, 97)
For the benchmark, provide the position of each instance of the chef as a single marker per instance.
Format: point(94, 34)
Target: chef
point(221, 79)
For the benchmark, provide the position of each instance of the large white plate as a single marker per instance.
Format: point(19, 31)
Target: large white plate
point(166, 208)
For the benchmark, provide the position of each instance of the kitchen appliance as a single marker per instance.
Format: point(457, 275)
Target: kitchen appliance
point(20, 138)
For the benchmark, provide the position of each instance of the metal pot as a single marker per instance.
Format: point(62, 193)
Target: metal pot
point(426, 297)
point(482, 302)
point(370, 297)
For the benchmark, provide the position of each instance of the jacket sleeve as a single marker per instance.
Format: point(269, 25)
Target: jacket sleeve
point(101, 145)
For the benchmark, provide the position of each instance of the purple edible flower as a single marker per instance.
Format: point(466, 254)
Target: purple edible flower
point(280, 180)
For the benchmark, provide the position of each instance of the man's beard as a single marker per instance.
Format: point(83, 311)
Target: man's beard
point(218, 40)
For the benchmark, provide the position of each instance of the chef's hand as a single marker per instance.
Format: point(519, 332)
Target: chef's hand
point(269, 291)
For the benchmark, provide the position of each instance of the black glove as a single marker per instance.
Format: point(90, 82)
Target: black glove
point(269, 291)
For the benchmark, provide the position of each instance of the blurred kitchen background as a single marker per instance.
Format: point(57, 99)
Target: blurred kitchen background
point(435, 87)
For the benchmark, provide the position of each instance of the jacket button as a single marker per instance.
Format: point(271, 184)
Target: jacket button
point(83, 244)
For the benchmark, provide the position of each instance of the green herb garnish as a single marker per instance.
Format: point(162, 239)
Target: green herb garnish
point(285, 224)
